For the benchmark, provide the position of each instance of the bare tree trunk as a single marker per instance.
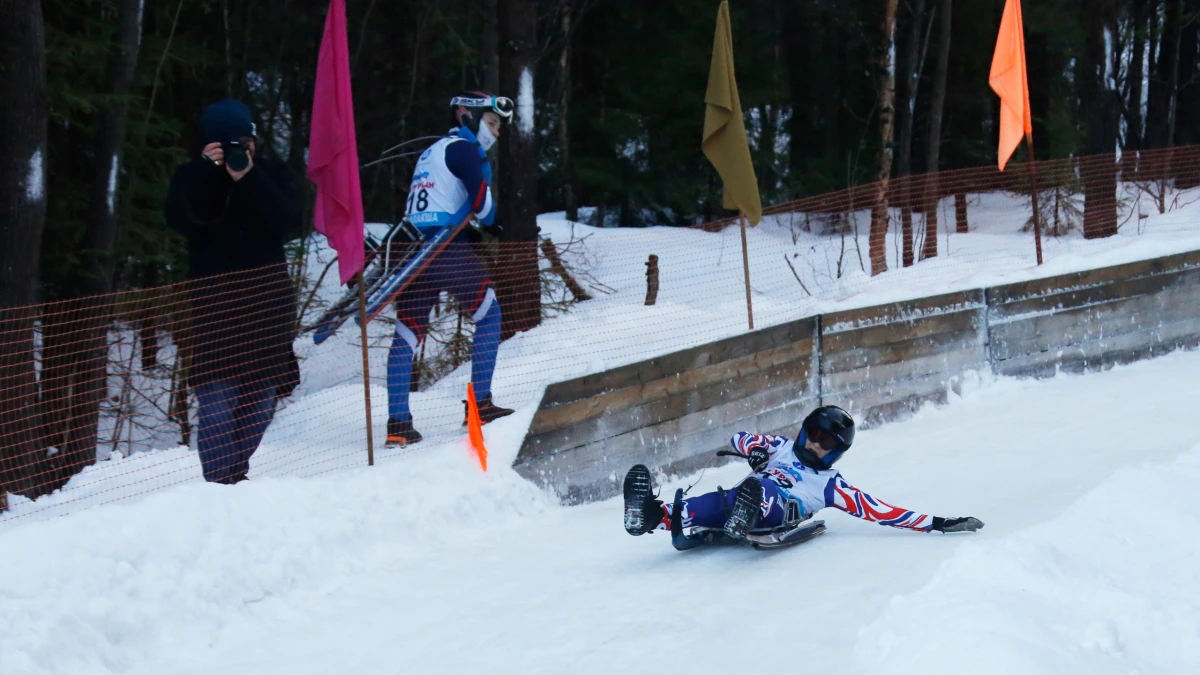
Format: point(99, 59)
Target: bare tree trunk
point(491, 80)
point(934, 148)
point(228, 49)
point(1164, 76)
point(1173, 99)
point(1100, 102)
point(22, 216)
point(564, 108)
point(887, 98)
point(101, 236)
point(518, 280)
point(1133, 103)
point(491, 48)
point(86, 330)
point(911, 65)
point(960, 213)
point(906, 228)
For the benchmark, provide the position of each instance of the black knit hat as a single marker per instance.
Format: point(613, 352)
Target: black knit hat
point(227, 120)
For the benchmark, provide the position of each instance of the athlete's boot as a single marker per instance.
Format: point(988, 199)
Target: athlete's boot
point(747, 509)
point(643, 512)
point(401, 432)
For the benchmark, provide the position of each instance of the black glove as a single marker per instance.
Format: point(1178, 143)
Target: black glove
point(956, 524)
point(758, 457)
point(478, 233)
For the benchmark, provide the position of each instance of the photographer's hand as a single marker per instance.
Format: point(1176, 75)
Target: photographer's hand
point(213, 153)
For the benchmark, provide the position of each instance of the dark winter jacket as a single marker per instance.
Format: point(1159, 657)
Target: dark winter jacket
point(242, 301)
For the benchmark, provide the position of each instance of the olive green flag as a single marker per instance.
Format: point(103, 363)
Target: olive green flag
point(725, 143)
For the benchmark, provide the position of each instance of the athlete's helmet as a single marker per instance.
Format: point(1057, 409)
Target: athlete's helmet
point(831, 428)
point(467, 108)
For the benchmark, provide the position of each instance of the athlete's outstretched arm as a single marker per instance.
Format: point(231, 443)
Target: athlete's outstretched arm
point(841, 495)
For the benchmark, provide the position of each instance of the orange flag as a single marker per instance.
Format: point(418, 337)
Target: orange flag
point(475, 427)
point(1009, 82)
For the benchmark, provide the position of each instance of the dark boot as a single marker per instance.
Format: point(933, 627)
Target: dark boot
point(747, 509)
point(234, 478)
point(643, 512)
point(488, 411)
point(401, 432)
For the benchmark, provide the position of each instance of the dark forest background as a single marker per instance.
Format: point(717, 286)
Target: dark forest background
point(100, 100)
point(619, 87)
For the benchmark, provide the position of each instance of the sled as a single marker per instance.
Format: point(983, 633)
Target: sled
point(391, 265)
point(795, 529)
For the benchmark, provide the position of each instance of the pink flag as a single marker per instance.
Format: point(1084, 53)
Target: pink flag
point(333, 150)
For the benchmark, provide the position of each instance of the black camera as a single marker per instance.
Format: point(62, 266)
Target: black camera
point(235, 155)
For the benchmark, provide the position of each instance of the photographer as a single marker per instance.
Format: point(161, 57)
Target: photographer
point(236, 209)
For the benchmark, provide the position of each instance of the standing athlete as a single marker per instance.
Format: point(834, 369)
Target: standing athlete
point(451, 183)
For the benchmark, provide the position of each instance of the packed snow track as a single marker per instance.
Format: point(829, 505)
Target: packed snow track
point(1088, 562)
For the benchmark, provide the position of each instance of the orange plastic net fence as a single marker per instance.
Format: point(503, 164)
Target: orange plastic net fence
point(100, 397)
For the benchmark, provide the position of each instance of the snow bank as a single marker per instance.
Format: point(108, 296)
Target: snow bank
point(96, 591)
point(1110, 586)
point(426, 565)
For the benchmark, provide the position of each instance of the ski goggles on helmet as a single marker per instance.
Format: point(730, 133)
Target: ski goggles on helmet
point(826, 440)
point(833, 447)
point(501, 105)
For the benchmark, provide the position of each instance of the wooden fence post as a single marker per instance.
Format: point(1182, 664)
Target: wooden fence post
point(652, 279)
point(746, 271)
point(362, 317)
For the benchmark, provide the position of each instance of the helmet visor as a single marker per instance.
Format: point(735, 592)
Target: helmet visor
point(826, 440)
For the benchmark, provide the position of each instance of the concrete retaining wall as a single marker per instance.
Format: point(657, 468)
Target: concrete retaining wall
point(881, 363)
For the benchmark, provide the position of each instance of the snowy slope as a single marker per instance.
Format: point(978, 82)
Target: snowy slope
point(1110, 586)
point(1087, 563)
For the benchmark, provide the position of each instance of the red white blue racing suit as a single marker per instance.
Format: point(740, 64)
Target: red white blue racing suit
point(785, 478)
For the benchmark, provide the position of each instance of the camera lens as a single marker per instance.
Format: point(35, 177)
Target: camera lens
point(235, 156)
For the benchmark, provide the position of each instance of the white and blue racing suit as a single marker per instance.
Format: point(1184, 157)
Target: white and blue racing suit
point(450, 184)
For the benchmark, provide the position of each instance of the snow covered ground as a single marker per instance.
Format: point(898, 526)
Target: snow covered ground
point(1088, 562)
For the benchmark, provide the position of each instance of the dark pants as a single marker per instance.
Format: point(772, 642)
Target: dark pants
point(461, 273)
point(712, 509)
point(234, 415)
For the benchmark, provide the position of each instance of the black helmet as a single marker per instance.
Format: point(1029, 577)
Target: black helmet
point(831, 428)
point(467, 108)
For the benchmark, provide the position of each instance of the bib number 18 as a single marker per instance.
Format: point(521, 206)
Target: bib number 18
point(418, 201)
